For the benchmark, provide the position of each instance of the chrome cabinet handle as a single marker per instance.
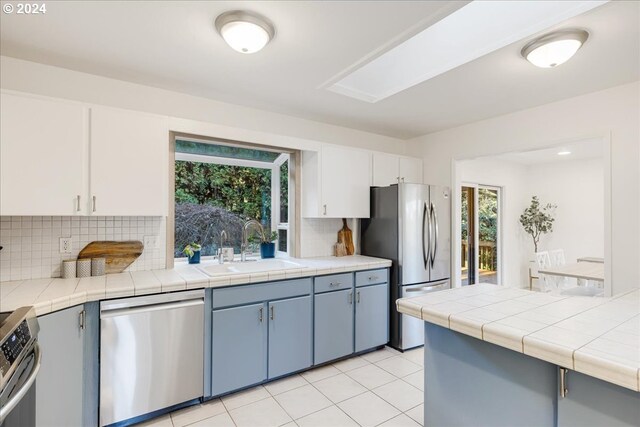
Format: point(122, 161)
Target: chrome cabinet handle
point(78, 203)
point(564, 389)
point(261, 314)
point(372, 278)
point(273, 315)
point(94, 203)
point(82, 318)
point(333, 284)
point(325, 209)
point(350, 297)
point(358, 297)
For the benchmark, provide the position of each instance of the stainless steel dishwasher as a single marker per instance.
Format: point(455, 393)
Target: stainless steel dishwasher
point(151, 353)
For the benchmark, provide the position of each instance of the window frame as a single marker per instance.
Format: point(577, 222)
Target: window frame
point(274, 167)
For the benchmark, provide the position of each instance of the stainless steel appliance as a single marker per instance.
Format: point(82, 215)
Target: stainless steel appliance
point(19, 365)
point(410, 224)
point(151, 354)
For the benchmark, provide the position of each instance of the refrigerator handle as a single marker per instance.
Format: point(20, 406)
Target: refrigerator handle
point(425, 250)
point(435, 236)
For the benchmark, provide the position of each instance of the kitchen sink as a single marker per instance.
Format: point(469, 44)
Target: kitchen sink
point(248, 267)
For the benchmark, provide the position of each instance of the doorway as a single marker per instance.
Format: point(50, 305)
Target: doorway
point(479, 231)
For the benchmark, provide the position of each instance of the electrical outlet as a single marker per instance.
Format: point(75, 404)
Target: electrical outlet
point(65, 245)
point(151, 242)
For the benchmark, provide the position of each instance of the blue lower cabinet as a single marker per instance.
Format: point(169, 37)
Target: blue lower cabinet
point(372, 316)
point(333, 325)
point(239, 347)
point(290, 340)
point(593, 402)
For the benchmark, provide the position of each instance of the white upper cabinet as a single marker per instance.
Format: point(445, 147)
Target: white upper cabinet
point(390, 169)
point(43, 157)
point(411, 170)
point(128, 163)
point(385, 169)
point(64, 158)
point(335, 183)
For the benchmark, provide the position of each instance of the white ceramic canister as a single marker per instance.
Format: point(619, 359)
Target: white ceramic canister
point(83, 268)
point(69, 269)
point(98, 266)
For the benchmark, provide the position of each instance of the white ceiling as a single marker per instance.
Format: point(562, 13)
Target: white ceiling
point(579, 150)
point(173, 45)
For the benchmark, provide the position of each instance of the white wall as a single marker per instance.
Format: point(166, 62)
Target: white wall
point(577, 187)
point(512, 178)
point(613, 113)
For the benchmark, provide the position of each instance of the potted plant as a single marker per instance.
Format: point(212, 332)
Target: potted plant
point(537, 220)
point(192, 251)
point(268, 245)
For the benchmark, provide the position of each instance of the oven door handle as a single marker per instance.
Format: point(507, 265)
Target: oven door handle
point(13, 402)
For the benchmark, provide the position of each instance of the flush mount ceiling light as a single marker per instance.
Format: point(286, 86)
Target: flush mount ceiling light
point(564, 153)
point(245, 32)
point(554, 48)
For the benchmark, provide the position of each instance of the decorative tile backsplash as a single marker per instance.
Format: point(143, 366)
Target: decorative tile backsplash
point(31, 244)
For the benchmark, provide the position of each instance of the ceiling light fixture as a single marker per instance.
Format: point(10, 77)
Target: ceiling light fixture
point(554, 48)
point(245, 32)
point(564, 153)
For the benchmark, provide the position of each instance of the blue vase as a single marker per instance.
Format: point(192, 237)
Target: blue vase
point(267, 250)
point(195, 258)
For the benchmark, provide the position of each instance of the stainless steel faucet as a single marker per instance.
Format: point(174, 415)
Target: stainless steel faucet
point(245, 227)
point(223, 238)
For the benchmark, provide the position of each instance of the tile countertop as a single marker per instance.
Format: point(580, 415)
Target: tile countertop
point(597, 336)
point(48, 295)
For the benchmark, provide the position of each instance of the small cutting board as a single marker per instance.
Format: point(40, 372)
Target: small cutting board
point(346, 236)
point(118, 255)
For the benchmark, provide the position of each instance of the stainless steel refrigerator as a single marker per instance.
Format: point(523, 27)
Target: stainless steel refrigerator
point(410, 224)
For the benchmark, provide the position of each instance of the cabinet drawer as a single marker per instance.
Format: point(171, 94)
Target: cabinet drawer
point(371, 277)
point(247, 294)
point(333, 282)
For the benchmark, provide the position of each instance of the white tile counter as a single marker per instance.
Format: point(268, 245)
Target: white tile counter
point(599, 337)
point(49, 295)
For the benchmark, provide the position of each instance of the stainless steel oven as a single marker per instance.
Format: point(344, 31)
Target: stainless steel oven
point(19, 365)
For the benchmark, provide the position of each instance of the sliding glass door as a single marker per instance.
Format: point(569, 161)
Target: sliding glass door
point(479, 231)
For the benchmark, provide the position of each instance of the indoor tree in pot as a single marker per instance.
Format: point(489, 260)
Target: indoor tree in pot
point(537, 220)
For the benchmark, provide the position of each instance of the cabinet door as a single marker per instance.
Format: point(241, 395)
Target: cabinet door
point(239, 346)
point(411, 170)
point(59, 387)
point(593, 402)
point(333, 325)
point(372, 316)
point(346, 176)
point(290, 333)
point(42, 155)
point(128, 168)
point(386, 169)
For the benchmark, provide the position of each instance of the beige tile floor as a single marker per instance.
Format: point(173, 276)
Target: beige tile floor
point(381, 388)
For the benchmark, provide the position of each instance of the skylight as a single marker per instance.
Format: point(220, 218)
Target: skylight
point(472, 31)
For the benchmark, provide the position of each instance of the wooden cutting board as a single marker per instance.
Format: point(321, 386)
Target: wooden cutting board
point(118, 255)
point(345, 236)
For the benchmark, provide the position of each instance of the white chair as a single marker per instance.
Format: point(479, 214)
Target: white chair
point(557, 259)
point(543, 261)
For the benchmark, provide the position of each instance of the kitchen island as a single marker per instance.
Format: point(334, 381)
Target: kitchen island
point(497, 356)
